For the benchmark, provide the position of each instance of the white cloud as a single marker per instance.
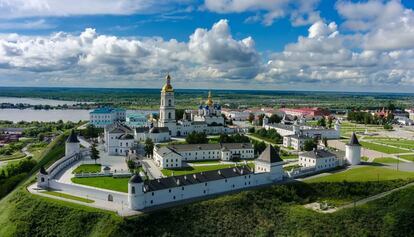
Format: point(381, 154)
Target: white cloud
point(209, 54)
point(301, 12)
point(327, 57)
point(41, 8)
point(26, 25)
point(388, 25)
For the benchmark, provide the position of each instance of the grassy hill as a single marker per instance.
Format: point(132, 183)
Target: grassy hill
point(271, 211)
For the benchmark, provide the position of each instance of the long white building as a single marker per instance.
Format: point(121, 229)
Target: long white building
point(149, 193)
point(172, 156)
point(304, 130)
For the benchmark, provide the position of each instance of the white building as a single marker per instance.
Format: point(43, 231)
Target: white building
point(206, 119)
point(236, 115)
point(295, 141)
point(105, 116)
point(149, 193)
point(320, 159)
point(403, 120)
point(176, 154)
point(156, 134)
point(353, 151)
point(305, 130)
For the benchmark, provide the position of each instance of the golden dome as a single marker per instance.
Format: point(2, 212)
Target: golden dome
point(167, 87)
point(209, 101)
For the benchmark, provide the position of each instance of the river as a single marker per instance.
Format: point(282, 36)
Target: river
point(37, 101)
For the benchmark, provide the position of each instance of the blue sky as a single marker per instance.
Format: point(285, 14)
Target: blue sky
point(258, 44)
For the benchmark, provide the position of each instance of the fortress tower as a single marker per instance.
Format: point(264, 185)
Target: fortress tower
point(72, 144)
point(353, 151)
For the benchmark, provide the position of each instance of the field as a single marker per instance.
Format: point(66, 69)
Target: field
point(386, 160)
point(197, 169)
point(382, 148)
point(364, 174)
point(348, 127)
point(401, 143)
point(14, 156)
point(68, 196)
point(115, 184)
point(87, 168)
point(408, 157)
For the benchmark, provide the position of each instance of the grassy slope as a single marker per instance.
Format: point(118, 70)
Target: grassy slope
point(364, 174)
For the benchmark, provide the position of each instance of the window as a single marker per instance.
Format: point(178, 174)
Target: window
point(205, 184)
point(133, 190)
point(174, 197)
point(152, 202)
point(152, 195)
point(182, 188)
point(169, 190)
point(169, 115)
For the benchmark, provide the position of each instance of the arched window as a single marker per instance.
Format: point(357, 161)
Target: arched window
point(133, 190)
point(169, 102)
point(169, 115)
point(42, 179)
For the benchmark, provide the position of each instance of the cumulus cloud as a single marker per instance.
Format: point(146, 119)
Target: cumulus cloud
point(327, 57)
point(387, 25)
point(301, 12)
point(35, 8)
point(209, 54)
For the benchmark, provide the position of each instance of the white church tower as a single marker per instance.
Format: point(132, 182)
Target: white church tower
point(167, 108)
point(353, 151)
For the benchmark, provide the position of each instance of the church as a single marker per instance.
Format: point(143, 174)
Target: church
point(206, 119)
point(120, 136)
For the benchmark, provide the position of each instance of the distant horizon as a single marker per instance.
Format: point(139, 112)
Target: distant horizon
point(212, 89)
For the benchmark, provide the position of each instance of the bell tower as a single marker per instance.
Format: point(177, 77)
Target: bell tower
point(167, 108)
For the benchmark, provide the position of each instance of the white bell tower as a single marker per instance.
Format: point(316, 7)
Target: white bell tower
point(167, 108)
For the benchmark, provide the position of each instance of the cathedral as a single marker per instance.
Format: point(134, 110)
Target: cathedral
point(206, 119)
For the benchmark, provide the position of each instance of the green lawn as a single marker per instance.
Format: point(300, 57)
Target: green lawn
point(15, 155)
point(386, 160)
point(260, 138)
point(204, 162)
point(382, 148)
point(408, 157)
point(363, 174)
point(116, 184)
point(67, 196)
point(87, 168)
point(291, 156)
point(197, 169)
point(364, 158)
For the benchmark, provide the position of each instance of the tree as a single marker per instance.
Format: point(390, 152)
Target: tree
point(325, 141)
point(179, 114)
point(149, 147)
point(251, 118)
point(330, 121)
point(131, 165)
point(196, 138)
point(322, 122)
point(259, 147)
point(309, 144)
point(251, 130)
point(94, 152)
point(275, 119)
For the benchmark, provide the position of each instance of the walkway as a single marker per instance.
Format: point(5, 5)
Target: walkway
point(120, 209)
point(372, 198)
point(152, 169)
point(337, 144)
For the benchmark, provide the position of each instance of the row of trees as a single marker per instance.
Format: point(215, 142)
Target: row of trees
point(12, 174)
point(271, 134)
point(367, 118)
